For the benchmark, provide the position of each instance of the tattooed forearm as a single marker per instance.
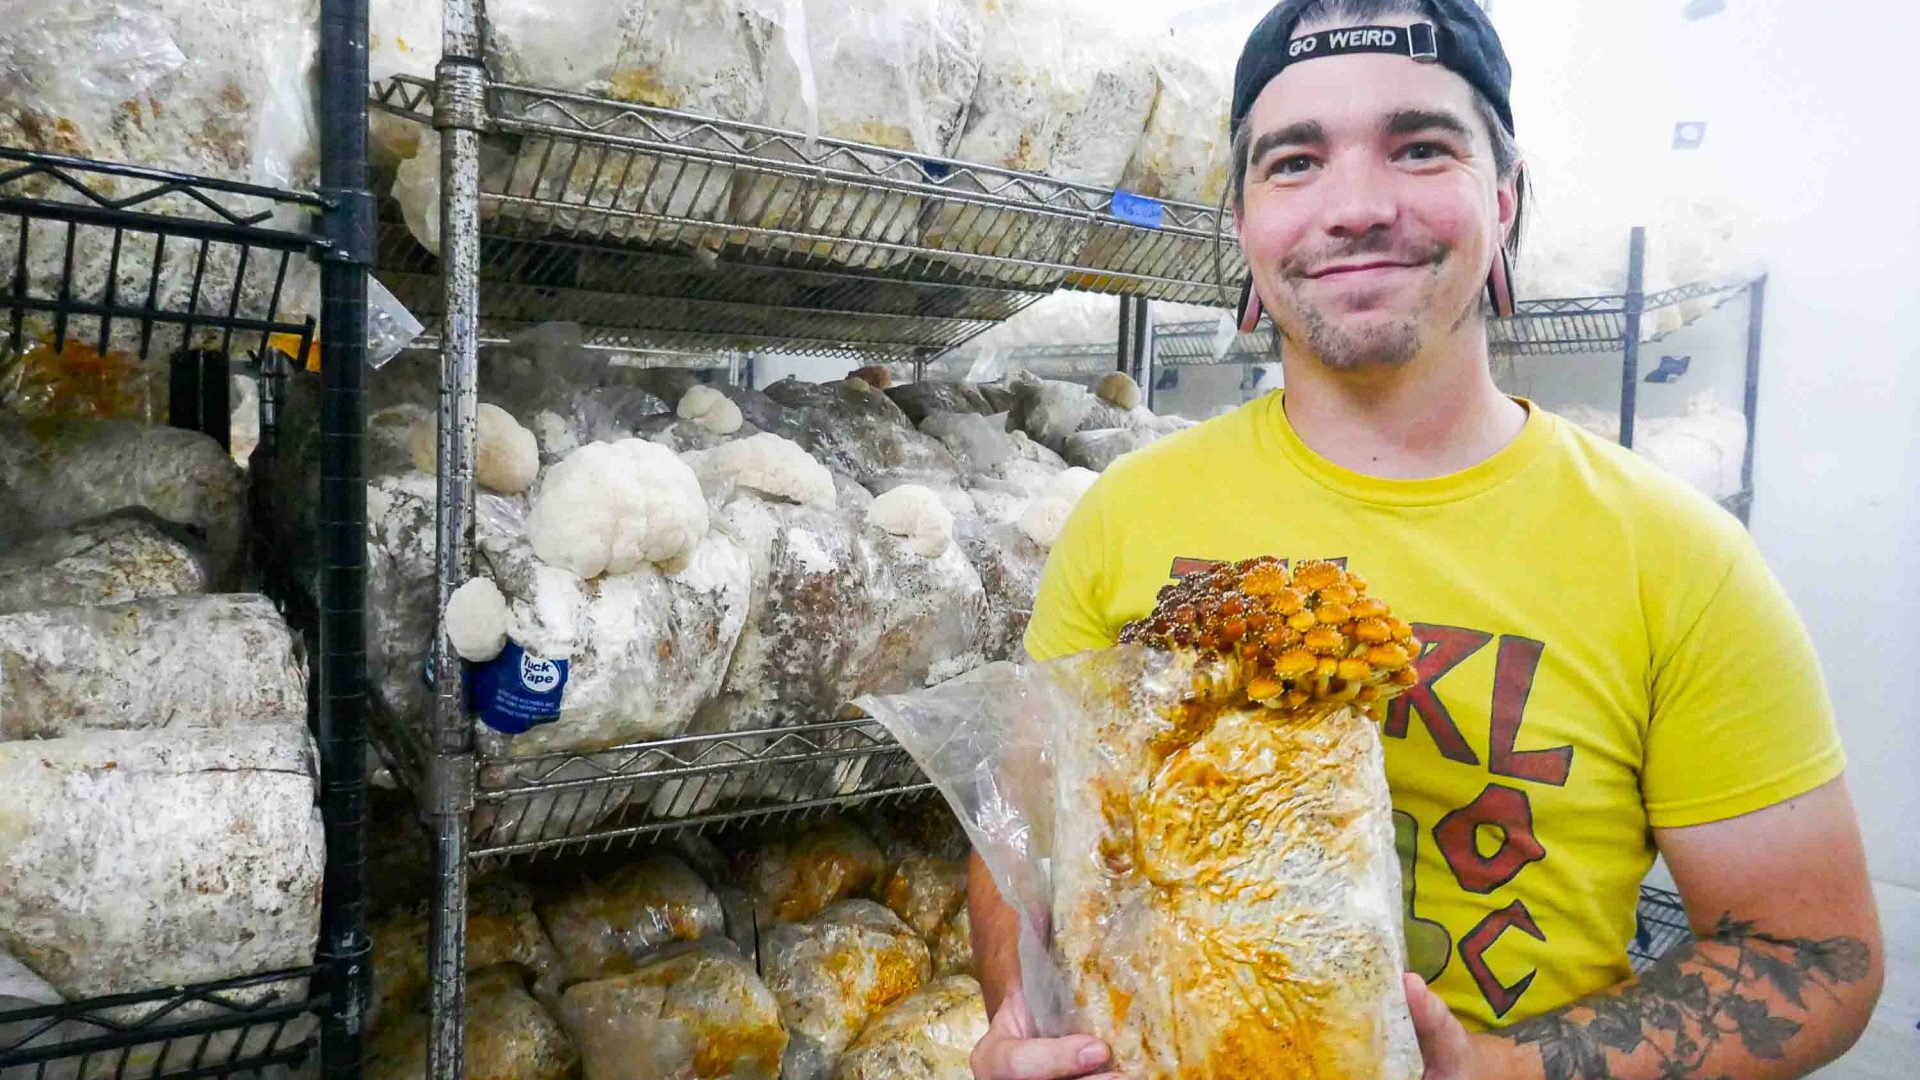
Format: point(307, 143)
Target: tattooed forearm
point(1733, 1005)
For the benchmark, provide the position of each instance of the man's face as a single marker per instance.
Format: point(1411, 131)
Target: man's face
point(1373, 211)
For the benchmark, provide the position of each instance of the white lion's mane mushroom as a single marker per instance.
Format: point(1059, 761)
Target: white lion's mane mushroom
point(477, 620)
point(916, 515)
point(711, 409)
point(610, 507)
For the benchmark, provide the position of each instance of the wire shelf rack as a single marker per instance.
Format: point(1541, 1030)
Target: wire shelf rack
point(641, 301)
point(139, 263)
point(1186, 344)
point(1660, 924)
point(1597, 323)
point(906, 255)
point(574, 802)
point(233, 1027)
point(1537, 328)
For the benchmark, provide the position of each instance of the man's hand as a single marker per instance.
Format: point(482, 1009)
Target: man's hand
point(1445, 1046)
point(1449, 1051)
point(1010, 1051)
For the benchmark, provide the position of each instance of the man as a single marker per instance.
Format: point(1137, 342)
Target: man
point(1609, 670)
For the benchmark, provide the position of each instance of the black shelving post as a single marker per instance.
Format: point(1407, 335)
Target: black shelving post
point(1756, 318)
point(1630, 359)
point(347, 225)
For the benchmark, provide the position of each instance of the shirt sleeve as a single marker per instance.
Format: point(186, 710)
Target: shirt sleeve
point(1741, 719)
point(1068, 608)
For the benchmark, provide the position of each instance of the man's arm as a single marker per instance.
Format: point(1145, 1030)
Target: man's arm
point(996, 936)
point(1781, 979)
point(1011, 1050)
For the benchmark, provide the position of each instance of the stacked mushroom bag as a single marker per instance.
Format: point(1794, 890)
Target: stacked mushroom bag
point(161, 827)
point(1059, 95)
point(625, 970)
point(897, 76)
point(711, 58)
point(610, 569)
point(221, 89)
point(1181, 158)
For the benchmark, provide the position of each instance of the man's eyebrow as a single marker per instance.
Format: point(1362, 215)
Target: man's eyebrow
point(1304, 133)
point(1413, 121)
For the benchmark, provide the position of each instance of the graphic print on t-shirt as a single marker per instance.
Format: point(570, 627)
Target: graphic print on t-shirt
point(1606, 655)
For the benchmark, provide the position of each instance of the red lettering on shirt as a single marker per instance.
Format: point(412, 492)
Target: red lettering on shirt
point(1446, 647)
point(1513, 675)
point(1473, 950)
point(1183, 567)
point(1503, 808)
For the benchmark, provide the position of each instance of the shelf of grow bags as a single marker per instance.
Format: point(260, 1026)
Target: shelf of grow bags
point(595, 800)
point(668, 229)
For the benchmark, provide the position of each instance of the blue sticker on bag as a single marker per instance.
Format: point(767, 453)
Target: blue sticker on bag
point(517, 690)
point(1138, 209)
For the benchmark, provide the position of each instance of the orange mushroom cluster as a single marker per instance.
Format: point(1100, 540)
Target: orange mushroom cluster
point(1307, 639)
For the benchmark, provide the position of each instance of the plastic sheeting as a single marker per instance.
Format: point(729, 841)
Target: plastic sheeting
point(1009, 564)
point(1059, 95)
point(215, 88)
point(928, 1035)
point(919, 400)
point(220, 661)
point(160, 858)
point(801, 873)
point(59, 473)
point(897, 76)
point(692, 1011)
point(115, 559)
point(862, 433)
point(1100, 447)
point(707, 57)
point(832, 974)
point(1182, 157)
point(925, 891)
point(952, 946)
point(836, 610)
point(603, 925)
point(1182, 924)
point(509, 1036)
point(501, 929)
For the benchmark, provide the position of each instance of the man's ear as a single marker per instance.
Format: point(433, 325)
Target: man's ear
point(1508, 196)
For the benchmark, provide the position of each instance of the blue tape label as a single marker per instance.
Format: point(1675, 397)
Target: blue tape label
point(1138, 209)
point(517, 690)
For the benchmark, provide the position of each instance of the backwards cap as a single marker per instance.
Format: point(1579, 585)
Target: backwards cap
point(1456, 36)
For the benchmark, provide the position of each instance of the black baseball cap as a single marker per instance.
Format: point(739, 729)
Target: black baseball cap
point(1457, 37)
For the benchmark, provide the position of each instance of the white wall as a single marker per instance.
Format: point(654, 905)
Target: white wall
point(1809, 114)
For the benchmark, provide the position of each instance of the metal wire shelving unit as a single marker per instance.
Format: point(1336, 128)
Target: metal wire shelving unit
point(664, 229)
point(1660, 923)
point(659, 230)
point(176, 280)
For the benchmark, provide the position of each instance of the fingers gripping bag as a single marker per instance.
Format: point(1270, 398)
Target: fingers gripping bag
point(1194, 826)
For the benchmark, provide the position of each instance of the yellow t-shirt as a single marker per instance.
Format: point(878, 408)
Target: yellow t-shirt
point(1605, 652)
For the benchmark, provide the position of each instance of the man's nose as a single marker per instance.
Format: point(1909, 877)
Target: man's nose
point(1360, 198)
